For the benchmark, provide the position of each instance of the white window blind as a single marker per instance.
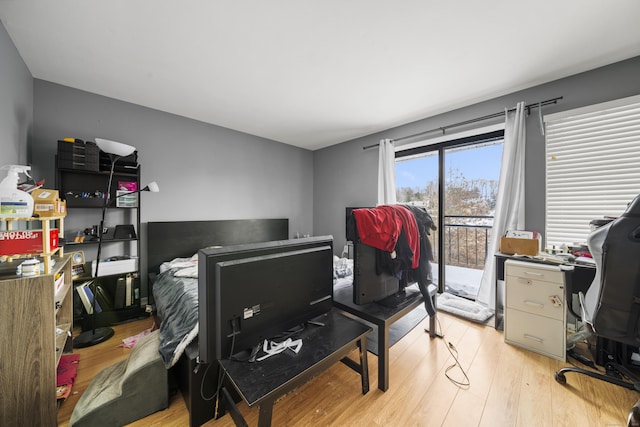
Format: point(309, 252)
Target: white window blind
point(593, 167)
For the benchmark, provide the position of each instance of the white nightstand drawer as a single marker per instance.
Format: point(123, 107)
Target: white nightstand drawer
point(530, 270)
point(540, 334)
point(536, 297)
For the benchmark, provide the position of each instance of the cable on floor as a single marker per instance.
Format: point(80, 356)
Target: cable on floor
point(453, 351)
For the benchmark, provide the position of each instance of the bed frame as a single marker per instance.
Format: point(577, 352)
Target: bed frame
point(169, 240)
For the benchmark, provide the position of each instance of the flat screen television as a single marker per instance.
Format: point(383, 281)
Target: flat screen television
point(369, 284)
point(251, 292)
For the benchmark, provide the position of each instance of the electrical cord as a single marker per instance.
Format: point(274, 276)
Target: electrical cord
point(205, 398)
point(220, 378)
point(252, 357)
point(453, 351)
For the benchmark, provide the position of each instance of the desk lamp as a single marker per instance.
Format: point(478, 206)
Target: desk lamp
point(115, 150)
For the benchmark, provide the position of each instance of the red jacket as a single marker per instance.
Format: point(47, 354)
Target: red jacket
point(380, 228)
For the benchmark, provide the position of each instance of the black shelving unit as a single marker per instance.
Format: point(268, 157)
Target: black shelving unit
point(84, 192)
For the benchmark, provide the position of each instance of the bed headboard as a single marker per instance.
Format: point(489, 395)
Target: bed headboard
point(169, 240)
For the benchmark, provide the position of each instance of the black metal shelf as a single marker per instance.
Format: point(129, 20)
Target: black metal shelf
point(91, 204)
point(95, 242)
point(131, 173)
point(85, 194)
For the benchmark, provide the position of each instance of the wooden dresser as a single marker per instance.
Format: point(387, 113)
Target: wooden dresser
point(36, 316)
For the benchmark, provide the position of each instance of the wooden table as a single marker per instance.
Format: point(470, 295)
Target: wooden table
point(383, 316)
point(329, 340)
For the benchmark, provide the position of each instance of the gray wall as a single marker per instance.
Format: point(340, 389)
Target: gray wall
point(204, 171)
point(208, 172)
point(16, 104)
point(346, 175)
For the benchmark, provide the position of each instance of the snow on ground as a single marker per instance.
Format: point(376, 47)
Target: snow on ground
point(459, 280)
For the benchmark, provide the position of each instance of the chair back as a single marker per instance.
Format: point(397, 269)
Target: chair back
point(611, 305)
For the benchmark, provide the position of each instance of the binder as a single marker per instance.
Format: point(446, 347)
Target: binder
point(103, 298)
point(119, 300)
point(86, 296)
point(128, 291)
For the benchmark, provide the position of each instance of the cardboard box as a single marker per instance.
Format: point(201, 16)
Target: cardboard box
point(20, 242)
point(513, 245)
point(47, 203)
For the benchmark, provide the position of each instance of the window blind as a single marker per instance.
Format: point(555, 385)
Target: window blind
point(593, 167)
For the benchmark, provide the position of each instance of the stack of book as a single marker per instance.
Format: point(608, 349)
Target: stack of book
point(86, 290)
point(125, 293)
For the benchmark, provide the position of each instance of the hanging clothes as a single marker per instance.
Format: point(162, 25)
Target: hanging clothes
point(401, 235)
point(380, 228)
point(423, 275)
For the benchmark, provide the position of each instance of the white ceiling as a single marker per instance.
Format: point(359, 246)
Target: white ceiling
point(315, 73)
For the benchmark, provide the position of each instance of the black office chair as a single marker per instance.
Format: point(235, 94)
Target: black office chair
point(611, 305)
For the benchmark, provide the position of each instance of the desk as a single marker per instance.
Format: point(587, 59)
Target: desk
point(578, 278)
point(382, 317)
point(261, 383)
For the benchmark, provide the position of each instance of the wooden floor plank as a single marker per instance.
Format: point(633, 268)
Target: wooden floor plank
point(479, 367)
point(509, 387)
point(501, 408)
point(534, 405)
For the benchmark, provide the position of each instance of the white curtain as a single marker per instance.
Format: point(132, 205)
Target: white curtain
point(386, 173)
point(510, 200)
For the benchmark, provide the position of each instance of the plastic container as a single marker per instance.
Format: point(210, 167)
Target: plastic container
point(14, 203)
point(30, 267)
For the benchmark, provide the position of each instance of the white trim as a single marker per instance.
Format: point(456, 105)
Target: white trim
point(450, 137)
point(592, 108)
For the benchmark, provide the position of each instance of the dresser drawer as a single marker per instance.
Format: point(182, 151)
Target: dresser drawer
point(535, 296)
point(530, 270)
point(540, 334)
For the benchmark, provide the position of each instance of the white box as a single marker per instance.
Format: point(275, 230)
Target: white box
point(59, 283)
point(110, 267)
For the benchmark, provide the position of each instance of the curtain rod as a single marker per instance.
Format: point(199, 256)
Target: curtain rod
point(479, 119)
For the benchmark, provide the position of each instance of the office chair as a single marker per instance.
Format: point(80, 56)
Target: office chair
point(611, 305)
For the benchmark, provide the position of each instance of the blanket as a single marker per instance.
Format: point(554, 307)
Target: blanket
point(175, 291)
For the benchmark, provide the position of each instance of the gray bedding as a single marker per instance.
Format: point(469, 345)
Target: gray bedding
point(176, 299)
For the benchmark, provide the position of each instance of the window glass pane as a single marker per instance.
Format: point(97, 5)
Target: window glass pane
point(470, 176)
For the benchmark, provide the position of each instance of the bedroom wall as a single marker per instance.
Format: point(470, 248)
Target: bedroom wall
point(346, 175)
point(16, 104)
point(204, 172)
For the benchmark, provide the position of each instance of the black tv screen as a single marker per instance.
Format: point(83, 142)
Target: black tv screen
point(369, 284)
point(262, 297)
point(264, 278)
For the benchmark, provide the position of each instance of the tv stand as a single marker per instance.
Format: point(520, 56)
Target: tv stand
point(323, 347)
point(398, 300)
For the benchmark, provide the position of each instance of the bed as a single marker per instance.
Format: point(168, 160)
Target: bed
point(342, 272)
point(171, 247)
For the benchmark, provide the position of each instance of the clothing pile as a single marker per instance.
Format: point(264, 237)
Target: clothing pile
point(400, 235)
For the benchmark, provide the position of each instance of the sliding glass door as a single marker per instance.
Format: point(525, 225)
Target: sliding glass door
point(457, 183)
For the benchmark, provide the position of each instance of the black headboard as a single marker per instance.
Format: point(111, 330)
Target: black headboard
point(169, 240)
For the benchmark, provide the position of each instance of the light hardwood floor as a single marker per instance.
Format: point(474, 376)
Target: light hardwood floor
point(509, 387)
